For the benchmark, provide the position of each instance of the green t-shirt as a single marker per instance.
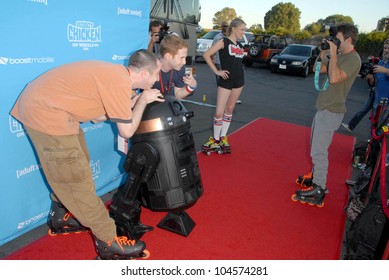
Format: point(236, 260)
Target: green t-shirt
point(334, 98)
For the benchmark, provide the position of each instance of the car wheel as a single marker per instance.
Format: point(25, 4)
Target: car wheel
point(254, 50)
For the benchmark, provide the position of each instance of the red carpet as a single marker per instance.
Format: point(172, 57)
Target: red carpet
point(246, 211)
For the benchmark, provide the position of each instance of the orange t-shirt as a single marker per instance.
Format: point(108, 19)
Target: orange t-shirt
point(57, 101)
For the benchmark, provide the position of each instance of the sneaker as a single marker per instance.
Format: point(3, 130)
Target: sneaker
point(345, 125)
point(119, 248)
point(211, 144)
point(224, 142)
point(238, 101)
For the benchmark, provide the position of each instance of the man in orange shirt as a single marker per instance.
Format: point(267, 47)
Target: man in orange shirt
point(51, 109)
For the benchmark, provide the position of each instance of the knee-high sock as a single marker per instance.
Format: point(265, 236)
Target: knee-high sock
point(217, 127)
point(226, 124)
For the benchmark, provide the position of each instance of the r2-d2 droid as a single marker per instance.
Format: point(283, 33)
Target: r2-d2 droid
point(163, 172)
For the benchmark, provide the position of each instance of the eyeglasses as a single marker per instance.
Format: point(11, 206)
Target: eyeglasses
point(225, 26)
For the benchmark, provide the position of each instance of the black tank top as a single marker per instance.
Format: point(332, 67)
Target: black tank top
point(231, 57)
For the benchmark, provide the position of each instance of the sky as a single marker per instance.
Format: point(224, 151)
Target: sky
point(364, 13)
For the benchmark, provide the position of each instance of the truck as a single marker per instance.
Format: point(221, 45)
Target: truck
point(263, 47)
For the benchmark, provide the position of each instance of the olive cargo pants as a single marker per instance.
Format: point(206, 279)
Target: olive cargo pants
point(65, 162)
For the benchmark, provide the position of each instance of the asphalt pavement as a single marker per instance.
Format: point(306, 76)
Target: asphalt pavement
point(281, 97)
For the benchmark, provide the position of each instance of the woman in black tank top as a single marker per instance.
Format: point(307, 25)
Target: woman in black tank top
point(230, 84)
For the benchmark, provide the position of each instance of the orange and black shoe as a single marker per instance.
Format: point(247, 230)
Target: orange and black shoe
point(313, 195)
point(61, 221)
point(305, 181)
point(121, 248)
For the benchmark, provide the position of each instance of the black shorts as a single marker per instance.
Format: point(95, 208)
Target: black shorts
point(230, 83)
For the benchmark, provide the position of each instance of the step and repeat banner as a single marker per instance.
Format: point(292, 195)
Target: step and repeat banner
point(38, 35)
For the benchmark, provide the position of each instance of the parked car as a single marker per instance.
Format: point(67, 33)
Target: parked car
point(295, 58)
point(205, 42)
point(262, 48)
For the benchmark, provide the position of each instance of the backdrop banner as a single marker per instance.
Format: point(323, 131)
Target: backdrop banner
point(38, 35)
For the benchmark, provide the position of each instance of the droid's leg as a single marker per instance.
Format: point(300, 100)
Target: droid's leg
point(125, 209)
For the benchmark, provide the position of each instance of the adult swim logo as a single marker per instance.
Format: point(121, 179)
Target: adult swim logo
point(129, 12)
point(84, 35)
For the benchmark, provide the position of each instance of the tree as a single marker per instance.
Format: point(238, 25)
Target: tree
point(283, 16)
point(226, 14)
point(314, 28)
point(256, 28)
point(336, 19)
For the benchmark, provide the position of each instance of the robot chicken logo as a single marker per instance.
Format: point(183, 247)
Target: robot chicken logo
point(84, 35)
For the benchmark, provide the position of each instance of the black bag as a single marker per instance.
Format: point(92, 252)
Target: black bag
point(354, 207)
point(362, 181)
point(364, 235)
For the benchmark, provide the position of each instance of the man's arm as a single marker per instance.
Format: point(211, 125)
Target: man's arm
point(190, 85)
point(335, 73)
point(126, 130)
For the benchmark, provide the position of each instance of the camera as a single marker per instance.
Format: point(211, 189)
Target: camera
point(163, 32)
point(368, 67)
point(325, 45)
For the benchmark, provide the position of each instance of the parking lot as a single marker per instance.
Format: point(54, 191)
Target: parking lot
point(282, 97)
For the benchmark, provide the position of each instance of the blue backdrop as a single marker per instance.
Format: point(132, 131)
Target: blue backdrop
point(38, 35)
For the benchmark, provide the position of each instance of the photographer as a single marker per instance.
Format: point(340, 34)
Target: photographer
point(155, 36)
point(339, 60)
point(380, 76)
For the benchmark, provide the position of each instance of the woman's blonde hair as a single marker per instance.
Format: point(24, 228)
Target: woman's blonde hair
point(234, 24)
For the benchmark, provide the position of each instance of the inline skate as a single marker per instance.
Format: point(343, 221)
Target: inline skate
point(305, 180)
point(121, 248)
point(61, 221)
point(313, 195)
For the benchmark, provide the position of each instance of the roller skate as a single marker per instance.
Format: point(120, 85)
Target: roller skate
point(314, 195)
point(212, 146)
point(305, 181)
point(224, 145)
point(61, 221)
point(121, 248)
